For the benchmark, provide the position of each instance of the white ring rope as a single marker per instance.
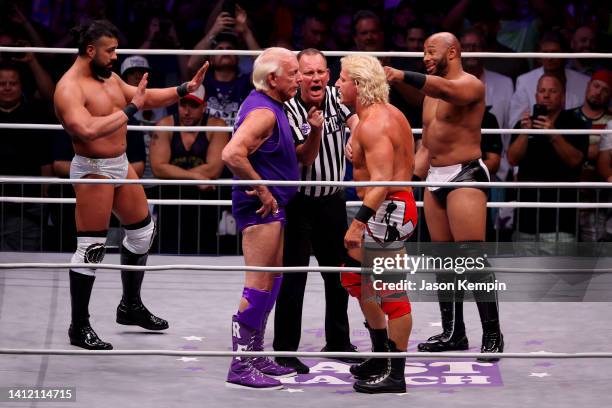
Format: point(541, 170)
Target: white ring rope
point(39, 200)
point(231, 182)
point(493, 204)
point(416, 131)
point(305, 354)
point(190, 267)
point(282, 269)
point(139, 51)
point(143, 128)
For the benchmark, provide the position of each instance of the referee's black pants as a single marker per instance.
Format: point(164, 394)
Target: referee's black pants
point(319, 223)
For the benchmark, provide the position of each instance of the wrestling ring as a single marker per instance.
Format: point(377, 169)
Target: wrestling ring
point(558, 352)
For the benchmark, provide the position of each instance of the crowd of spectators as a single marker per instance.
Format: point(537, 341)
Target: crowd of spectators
point(574, 93)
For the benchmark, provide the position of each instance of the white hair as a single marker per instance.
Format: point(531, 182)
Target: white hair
point(266, 63)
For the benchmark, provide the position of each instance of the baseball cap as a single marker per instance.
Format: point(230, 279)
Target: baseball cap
point(135, 61)
point(604, 76)
point(197, 95)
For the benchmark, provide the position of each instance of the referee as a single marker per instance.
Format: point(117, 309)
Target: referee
point(316, 217)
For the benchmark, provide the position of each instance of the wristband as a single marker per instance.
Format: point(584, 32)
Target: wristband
point(181, 90)
point(130, 110)
point(364, 214)
point(416, 178)
point(415, 79)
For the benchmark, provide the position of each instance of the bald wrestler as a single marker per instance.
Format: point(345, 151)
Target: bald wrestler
point(452, 115)
point(262, 148)
point(383, 150)
point(94, 105)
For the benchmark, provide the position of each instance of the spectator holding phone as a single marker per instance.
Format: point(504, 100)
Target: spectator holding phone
point(548, 158)
point(226, 86)
point(232, 21)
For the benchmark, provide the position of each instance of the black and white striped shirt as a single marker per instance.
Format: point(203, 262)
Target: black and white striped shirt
point(330, 162)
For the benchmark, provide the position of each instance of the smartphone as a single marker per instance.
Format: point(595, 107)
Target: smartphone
point(229, 6)
point(539, 110)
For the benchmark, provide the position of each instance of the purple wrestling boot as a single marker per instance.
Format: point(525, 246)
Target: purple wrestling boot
point(242, 373)
point(265, 364)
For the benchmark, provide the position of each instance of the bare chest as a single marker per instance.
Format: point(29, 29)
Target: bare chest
point(439, 111)
point(358, 153)
point(103, 98)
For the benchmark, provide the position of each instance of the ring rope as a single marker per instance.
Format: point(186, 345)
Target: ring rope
point(283, 269)
point(231, 182)
point(493, 204)
point(190, 267)
point(305, 354)
point(138, 51)
point(39, 200)
point(417, 131)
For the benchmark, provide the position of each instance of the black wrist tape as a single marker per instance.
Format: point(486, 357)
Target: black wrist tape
point(415, 79)
point(416, 178)
point(181, 90)
point(364, 214)
point(130, 110)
